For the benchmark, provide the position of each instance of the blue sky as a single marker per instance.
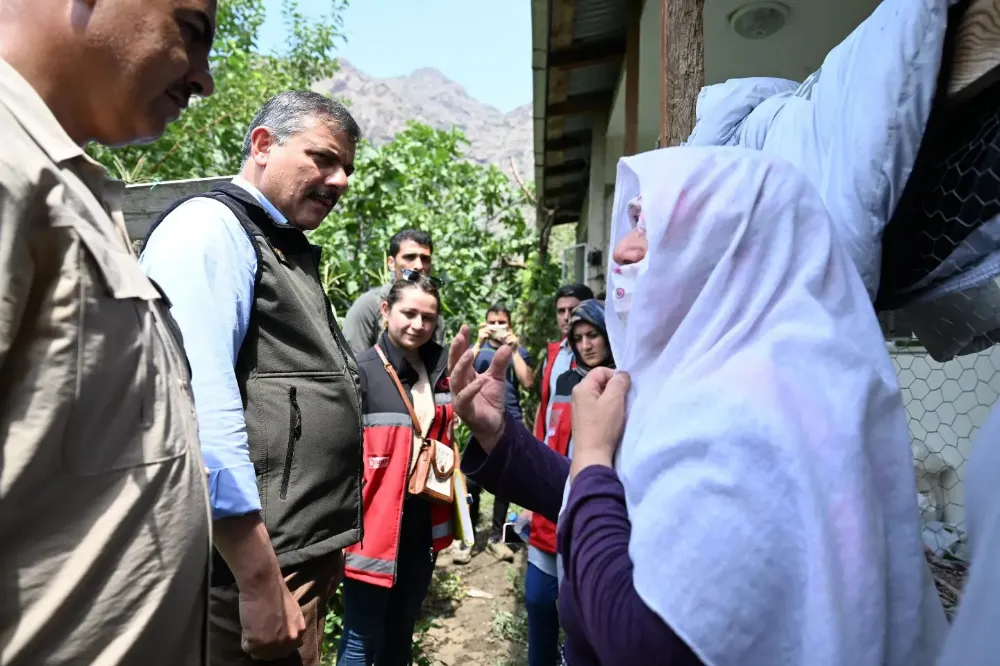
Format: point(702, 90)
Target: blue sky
point(485, 45)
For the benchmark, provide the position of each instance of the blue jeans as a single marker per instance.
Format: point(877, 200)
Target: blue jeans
point(379, 621)
point(540, 594)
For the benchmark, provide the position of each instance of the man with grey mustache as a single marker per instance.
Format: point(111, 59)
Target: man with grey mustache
point(276, 387)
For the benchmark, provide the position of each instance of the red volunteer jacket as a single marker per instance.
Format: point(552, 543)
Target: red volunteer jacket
point(543, 530)
point(551, 351)
point(388, 447)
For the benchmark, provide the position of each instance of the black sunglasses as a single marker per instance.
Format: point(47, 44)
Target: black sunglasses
point(411, 275)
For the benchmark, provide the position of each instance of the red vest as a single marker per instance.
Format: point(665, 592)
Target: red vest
point(550, 359)
point(388, 447)
point(543, 530)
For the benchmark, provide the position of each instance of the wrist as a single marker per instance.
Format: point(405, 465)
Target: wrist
point(246, 547)
point(588, 458)
point(489, 441)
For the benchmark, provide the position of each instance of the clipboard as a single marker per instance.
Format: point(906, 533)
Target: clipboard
point(464, 530)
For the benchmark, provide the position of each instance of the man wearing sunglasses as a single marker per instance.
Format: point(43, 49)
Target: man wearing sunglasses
point(276, 389)
point(409, 250)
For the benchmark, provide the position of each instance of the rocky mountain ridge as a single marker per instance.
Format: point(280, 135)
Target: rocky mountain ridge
point(383, 106)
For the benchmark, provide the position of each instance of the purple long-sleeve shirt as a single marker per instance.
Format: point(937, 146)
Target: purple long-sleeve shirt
point(606, 622)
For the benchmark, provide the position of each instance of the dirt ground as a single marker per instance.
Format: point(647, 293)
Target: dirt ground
point(474, 614)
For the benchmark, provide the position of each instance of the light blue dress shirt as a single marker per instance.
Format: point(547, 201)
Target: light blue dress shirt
point(205, 263)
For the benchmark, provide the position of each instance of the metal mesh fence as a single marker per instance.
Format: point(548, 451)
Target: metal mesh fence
point(946, 404)
point(940, 266)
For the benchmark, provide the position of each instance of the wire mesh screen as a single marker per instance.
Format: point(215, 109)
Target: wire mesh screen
point(939, 280)
point(946, 403)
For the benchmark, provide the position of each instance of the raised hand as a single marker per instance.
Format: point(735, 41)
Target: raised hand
point(478, 399)
point(598, 410)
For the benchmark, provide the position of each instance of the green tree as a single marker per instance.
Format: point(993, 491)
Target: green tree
point(422, 179)
point(207, 140)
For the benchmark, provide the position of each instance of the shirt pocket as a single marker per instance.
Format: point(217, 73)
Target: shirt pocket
point(132, 405)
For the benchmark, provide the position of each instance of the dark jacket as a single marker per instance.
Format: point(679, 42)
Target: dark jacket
point(301, 394)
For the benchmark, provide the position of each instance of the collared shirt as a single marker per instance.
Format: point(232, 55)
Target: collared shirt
point(211, 292)
point(104, 525)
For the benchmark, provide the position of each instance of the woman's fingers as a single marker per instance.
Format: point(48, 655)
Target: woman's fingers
point(460, 367)
point(466, 394)
point(598, 378)
point(617, 386)
point(498, 367)
point(463, 373)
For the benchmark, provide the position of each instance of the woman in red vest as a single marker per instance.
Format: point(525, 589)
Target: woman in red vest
point(588, 338)
point(389, 572)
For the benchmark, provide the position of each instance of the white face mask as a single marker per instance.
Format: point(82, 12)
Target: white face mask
point(623, 280)
point(624, 277)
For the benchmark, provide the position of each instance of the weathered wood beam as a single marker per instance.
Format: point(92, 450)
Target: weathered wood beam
point(569, 141)
point(682, 67)
point(570, 166)
point(582, 103)
point(632, 32)
point(975, 59)
point(575, 188)
point(585, 55)
point(565, 218)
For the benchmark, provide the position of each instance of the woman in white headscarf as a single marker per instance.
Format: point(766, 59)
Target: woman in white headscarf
point(760, 508)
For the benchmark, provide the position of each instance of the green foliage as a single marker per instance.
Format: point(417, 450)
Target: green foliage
point(484, 250)
point(207, 140)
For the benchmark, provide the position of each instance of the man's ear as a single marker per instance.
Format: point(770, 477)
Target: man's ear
point(390, 263)
point(261, 143)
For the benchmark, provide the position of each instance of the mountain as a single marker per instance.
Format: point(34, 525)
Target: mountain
point(383, 106)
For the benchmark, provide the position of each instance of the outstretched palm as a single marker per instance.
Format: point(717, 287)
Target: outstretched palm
point(478, 399)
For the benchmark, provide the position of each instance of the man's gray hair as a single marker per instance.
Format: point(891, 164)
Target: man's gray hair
point(285, 115)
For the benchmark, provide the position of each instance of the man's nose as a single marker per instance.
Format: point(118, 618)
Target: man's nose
point(631, 249)
point(337, 180)
point(199, 77)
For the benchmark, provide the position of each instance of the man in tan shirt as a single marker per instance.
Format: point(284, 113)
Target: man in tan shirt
point(104, 525)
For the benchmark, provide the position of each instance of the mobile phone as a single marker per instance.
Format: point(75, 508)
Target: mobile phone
point(510, 534)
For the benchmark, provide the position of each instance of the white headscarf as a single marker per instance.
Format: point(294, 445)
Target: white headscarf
point(766, 459)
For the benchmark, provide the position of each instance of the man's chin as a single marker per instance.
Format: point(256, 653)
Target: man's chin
point(312, 215)
point(138, 135)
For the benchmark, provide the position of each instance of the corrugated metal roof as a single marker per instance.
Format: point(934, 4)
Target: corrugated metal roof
point(594, 20)
point(597, 23)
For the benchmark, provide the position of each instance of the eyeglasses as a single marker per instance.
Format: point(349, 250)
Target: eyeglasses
point(411, 275)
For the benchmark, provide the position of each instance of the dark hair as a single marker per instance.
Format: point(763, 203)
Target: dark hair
point(421, 238)
point(285, 115)
point(421, 282)
point(579, 291)
point(500, 308)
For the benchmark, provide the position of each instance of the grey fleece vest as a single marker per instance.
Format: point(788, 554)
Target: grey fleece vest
point(301, 395)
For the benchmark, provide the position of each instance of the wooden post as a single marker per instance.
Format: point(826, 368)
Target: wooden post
point(682, 67)
point(632, 77)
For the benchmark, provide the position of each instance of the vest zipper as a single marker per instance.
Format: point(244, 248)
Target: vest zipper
point(340, 343)
point(294, 434)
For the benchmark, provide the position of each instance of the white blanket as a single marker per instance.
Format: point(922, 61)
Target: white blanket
point(766, 458)
point(853, 127)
